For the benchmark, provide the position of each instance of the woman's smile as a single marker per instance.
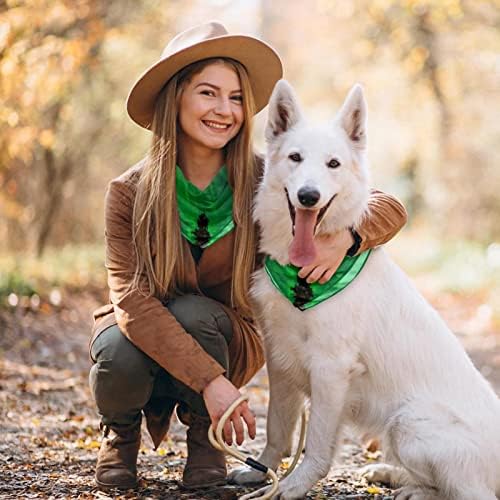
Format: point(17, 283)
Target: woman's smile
point(217, 127)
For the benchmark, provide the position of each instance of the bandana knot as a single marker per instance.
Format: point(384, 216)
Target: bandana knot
point(304, 295)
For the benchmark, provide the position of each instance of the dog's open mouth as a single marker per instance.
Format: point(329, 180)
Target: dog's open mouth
point(305, 222)
point(321, 212)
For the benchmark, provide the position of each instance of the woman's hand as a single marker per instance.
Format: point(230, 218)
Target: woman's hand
point(331, 251)
point(218, 396)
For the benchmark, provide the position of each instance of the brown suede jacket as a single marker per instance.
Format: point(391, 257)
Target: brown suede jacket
point(149, 325)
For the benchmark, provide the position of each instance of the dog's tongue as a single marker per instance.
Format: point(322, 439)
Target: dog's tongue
point(302, 250)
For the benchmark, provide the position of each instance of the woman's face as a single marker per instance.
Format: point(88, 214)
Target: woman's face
point(211, 108)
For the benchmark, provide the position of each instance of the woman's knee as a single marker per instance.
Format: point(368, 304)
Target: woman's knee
point(122, 377)
point(201, 316)
point(206, 320)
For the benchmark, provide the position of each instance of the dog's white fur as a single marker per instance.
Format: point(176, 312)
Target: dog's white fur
point(376, 355)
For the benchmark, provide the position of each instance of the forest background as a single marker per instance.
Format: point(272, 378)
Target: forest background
point(431, 73)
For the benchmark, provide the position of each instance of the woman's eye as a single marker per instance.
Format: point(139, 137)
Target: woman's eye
point(237, 98)
point(333, 163)
point(295, 157)
point(207, 92)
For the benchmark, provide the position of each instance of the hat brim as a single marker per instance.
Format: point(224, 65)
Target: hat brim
point(262, 63)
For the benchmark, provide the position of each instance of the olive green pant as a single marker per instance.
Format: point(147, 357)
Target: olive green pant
point(123, 378)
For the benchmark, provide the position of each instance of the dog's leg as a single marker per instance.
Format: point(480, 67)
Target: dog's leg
point(285, 404)
point(329, 385)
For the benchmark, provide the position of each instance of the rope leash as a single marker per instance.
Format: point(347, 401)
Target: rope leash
point(217, 442)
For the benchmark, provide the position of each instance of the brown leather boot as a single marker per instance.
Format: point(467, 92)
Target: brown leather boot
point(205, 466)
point(117, 459)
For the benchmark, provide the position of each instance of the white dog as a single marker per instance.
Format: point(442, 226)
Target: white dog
point(375, 355)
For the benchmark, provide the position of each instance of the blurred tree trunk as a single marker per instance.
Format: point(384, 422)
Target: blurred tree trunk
point(57, 174)
point(413, 198)
point(426, 37)
point(58, 169)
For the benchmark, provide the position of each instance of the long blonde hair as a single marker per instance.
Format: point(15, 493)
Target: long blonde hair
point(163, 257)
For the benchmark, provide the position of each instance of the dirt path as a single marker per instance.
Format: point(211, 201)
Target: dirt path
point(49, 428)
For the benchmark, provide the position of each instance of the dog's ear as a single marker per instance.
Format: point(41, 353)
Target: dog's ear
point(284, 110)
point(352, 116)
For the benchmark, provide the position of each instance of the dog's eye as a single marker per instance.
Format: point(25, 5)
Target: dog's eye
point(333, 163)
point(295, 157)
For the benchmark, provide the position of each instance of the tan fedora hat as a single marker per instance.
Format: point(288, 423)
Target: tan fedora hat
point(208, 40)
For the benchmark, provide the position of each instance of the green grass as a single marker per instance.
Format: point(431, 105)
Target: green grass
point(458, 266)
point(74, 267)
point(12, 281)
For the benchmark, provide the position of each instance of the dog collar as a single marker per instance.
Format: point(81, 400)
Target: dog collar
point(305, 295)
point(205, 215)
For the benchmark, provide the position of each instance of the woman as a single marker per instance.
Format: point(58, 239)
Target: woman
point(180, 249)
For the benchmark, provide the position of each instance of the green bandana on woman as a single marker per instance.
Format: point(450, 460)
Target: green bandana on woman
point(304, 295)
point(205, 215)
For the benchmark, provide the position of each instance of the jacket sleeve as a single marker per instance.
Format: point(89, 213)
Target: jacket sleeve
point(144, 320)
point(383, 219)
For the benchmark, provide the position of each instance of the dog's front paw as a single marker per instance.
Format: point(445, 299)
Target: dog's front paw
point(246, 475)
point(377, 473)
point(289, 490)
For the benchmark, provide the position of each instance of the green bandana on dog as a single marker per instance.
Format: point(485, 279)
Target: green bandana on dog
point(305, 295)
point(207, 215)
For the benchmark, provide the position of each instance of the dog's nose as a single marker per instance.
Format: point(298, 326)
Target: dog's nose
point(308, 196)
